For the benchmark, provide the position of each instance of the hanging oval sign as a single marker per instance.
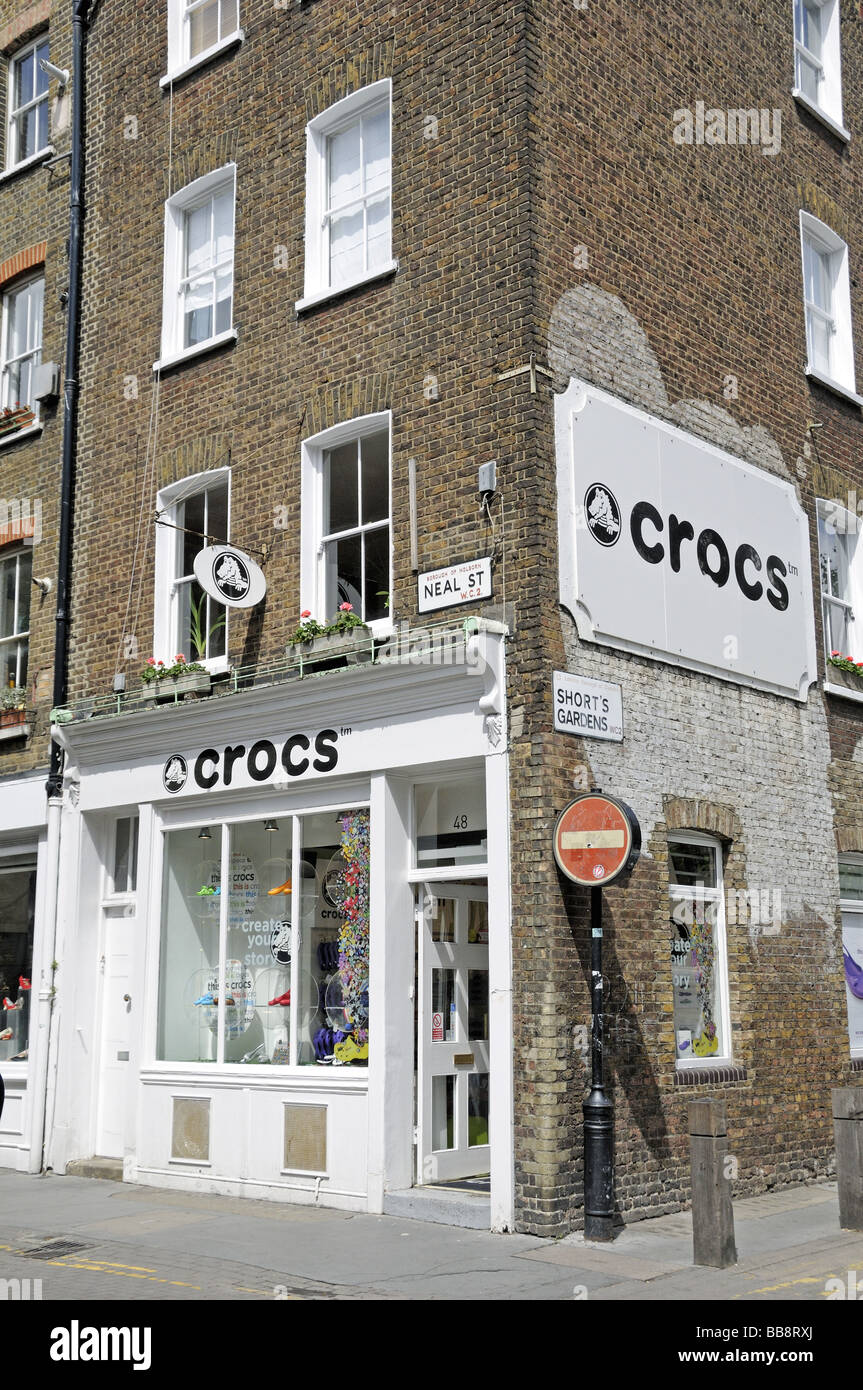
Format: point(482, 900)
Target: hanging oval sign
point(229, 576)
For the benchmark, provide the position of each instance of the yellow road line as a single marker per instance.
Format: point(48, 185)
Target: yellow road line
point(115, 1264)
point(789, 1284)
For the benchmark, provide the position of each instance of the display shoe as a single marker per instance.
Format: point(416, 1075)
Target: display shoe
point(205, 892)
point(206, 999)
point(22, 983)
point(283, 1000)
point(282, 888)
point(5, 1035)
point(10, 1007)
point(853, 974)
point(230, 1002)
point(20, 1056)
point(350, 1051)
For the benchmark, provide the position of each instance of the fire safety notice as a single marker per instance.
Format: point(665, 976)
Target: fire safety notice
point(587, 708)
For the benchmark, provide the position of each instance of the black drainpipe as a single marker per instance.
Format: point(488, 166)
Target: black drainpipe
point(70, 384)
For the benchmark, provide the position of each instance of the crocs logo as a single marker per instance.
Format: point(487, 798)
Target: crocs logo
point(175, 773)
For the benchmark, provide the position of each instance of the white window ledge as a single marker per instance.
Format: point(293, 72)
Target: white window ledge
point(197, 350)
point(310, 300)
point(231, 41)
point(844, 391)
point(14, 731)
point(837, 128)
point(703, 1063)
point(8, 439)
point(34, 159)
point(843, 691)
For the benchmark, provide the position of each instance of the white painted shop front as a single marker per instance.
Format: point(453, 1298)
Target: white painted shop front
point(243, 1039)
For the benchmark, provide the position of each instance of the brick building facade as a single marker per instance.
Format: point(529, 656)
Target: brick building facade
point(539, 221)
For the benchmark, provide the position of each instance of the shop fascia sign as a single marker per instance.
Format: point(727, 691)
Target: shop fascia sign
point(252, 763)
point(671, 548)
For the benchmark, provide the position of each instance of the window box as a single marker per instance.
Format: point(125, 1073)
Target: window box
point(166, 688)
point(12, 421)
point(12, 718)
point(352, 648)
point(840, 675)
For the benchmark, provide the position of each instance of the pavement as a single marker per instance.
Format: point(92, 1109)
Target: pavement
point(92, 1240)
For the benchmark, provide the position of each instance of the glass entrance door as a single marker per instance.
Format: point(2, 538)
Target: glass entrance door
point(452, 1024)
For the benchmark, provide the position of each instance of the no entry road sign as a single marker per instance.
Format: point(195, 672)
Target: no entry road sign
point(596, 839)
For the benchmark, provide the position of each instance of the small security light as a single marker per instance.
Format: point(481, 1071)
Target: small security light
point(204, 833)
point(46, 585)
point(270, 825)
point(60, 75)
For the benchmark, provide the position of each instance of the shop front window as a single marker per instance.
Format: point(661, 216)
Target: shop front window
point(851, 906)
point(17, 899)
point(697, 948)
point(273, 968)
point(451, 823)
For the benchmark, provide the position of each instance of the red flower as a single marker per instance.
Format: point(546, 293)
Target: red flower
point(160, 663)
point(306, 613)
point(179, 657)
point(151, 661)
point(834, 653)
point(346, 607)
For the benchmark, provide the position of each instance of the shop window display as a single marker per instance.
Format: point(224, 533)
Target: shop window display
point(851, 904)
point(17, 899)
point(697, 949)
point(271, 970)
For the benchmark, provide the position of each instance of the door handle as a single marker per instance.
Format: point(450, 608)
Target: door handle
point(127, 998)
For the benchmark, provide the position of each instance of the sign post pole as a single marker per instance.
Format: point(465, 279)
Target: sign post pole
point(597, 840)
point(597, 1109)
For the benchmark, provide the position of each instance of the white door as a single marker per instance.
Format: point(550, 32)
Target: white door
point(452, 1024)
point(118, 1016)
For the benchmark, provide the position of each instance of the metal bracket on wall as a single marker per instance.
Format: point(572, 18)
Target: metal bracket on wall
point(532, 368)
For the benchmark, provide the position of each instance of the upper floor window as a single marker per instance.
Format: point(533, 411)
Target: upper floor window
point(840, 577)
point(192, 514)
point(22, 343)
point(199, 265)
point(817, 60)
point(29, 128)
point(15, 584)
point(698, 953)
point(349, 193)
point(346, 527)
point(197, 30)
point(827, 302)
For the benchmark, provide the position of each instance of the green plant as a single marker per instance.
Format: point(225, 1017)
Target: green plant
point(307, 628)
point(199, 638)
point(345, 619)
point(13, 697)
point(845, 663)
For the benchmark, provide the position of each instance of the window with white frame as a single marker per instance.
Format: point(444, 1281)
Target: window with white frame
point(198, 29)
point(698, 951)
point(29, 124)
point(349, 192)
point(817, 59)
point(123, 878)
point(851, 908)
point(839, 565)
point(199, 264)
point(827, 302)
point(15, 585)
point(346, 525)
point(22, 343)
point(191, 515)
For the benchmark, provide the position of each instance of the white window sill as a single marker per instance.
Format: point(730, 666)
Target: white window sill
point(321, 296)
point(836, 126)
point(198, 350)
point(702, 1063)
point(844, 391)
point(843, 691)
point(14, 731)
point(35, 428)
point(178, 74)
point(34, 159)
